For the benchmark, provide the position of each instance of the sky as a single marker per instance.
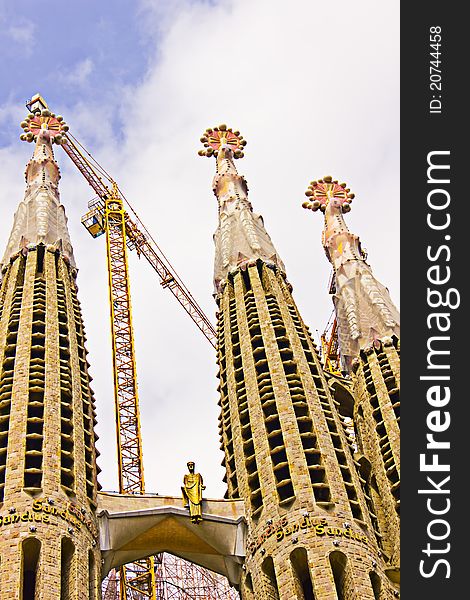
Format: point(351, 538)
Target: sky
point(314, 89)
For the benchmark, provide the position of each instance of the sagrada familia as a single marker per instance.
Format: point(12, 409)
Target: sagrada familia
point(311, 509)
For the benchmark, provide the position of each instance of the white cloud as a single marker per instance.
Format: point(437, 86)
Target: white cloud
point(313, 87)
point(23, 34)
point(79, 74)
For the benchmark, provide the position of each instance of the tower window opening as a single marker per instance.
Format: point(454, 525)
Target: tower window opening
point(35, 410)
point(246, 281)
point(317, 475)
point(31, 550)
point(376, 584)
point(301, 409)
point(269, 575)
point(33, 480)
point(303, 581)
point(290, 368)
point(92, 583)
point(282, 472)
point(309, 442)
point(33, 444)
point(262, 366)
point(37, 352)
point(35, 428)
point(313, 457)
point(276, 439)
point(56, 262)
point(33, 462)
point(249, 582)
point(273, 424)
point(280, 453)
point(269, 409)
point(338, 563)
point(384, 443)
point(67, 578)
point(322, 494)
point(6, 388)
point(304, 426)
point(41, 249)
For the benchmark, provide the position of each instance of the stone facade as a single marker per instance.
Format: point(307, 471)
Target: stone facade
point(313, 531)
point(368, 336)
point(322, 514)
point(287, 455)
point(48, 473)
point(376, 382)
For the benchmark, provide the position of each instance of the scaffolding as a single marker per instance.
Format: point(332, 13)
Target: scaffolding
point(178, 579)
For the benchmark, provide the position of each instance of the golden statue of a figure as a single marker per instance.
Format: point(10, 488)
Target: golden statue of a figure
point(192, 493)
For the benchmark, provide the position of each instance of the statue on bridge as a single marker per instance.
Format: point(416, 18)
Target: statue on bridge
point(192, 493)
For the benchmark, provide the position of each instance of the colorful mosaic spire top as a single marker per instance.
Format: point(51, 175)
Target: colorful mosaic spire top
point(222, 136)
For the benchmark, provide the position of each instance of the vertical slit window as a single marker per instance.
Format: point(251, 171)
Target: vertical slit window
point(8, 368)
point(338, 442)
point(31, 550)
point(364, 472)
point(269, 576)
point(338, 563)
point(376, 584)
point(67, 577)
point(67, 476)
point(242, 401)
point(316, 469)
point(302, 578)
point(390, 383)
point(40, 259)
point(88, 405)
point(37, 375)
point(92, 583)
point(382, 436)
point(225, 424)
point(272, 422)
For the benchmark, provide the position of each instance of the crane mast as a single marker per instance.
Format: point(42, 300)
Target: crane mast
point(329, 339)
point(140, 576)
point(107, 215)
point(127, 407)
point(330, 349)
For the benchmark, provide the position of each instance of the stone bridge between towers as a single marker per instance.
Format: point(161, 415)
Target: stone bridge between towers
point(134, 527)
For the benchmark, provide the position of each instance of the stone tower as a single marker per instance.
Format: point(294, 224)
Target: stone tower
point(308, 509)
point(48, 475)
point(368, 335)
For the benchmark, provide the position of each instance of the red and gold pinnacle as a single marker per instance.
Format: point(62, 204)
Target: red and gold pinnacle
point(42, 119)
point(214, 138)
point(321, 191)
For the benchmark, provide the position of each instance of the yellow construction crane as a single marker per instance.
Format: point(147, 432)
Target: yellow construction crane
point(329, 339)
point(108, 215)
point(330, 349)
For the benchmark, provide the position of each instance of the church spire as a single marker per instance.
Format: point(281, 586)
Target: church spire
point(364, 309)
point(286, 451)
point(240, 238)
point(40, 218)
point(47, 412)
